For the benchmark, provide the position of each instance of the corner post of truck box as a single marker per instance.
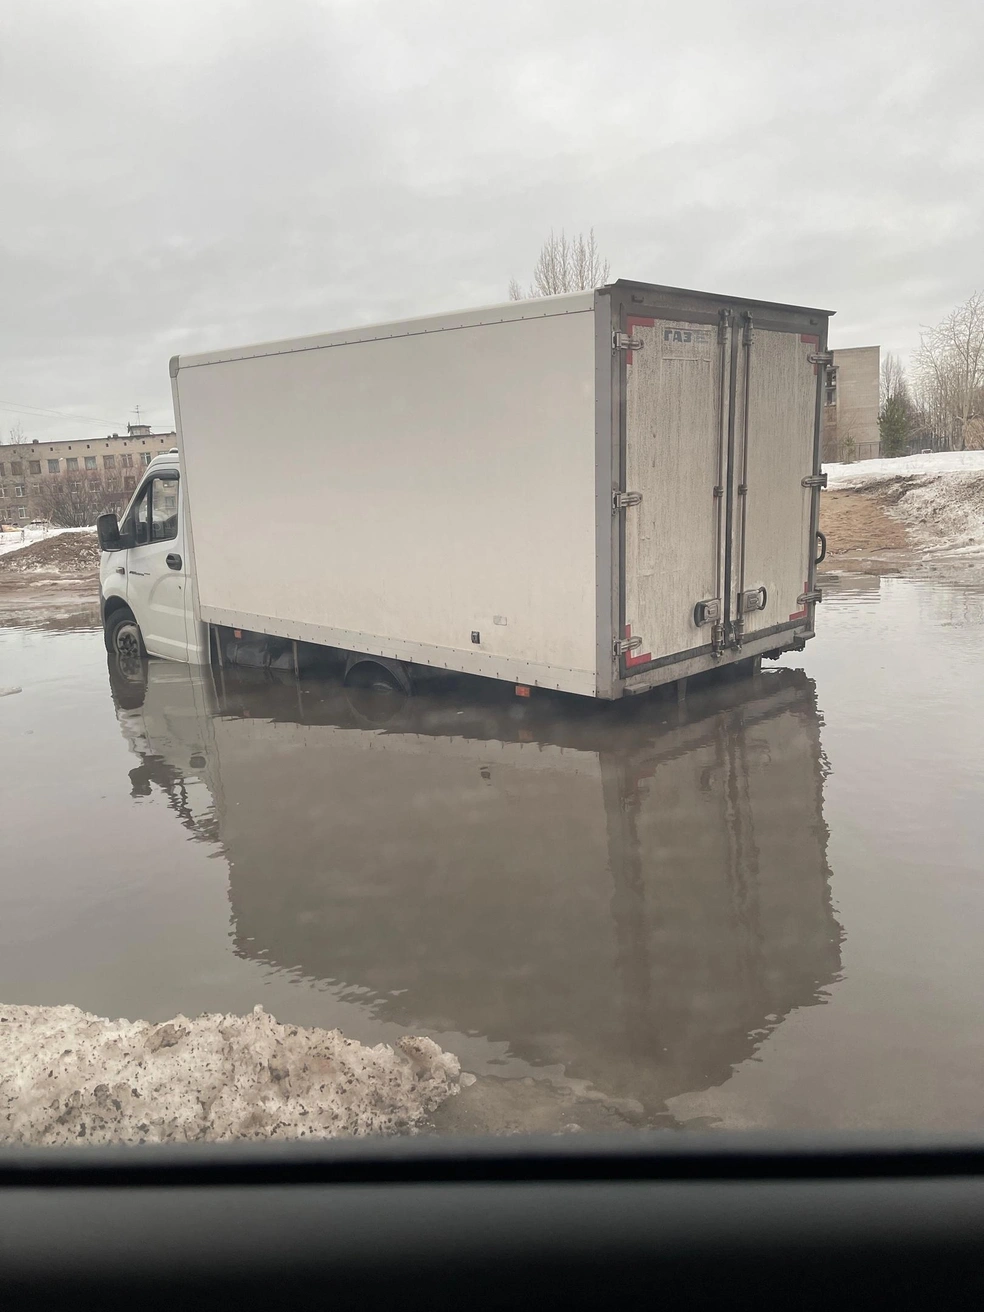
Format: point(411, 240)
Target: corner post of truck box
point(607, 463)
point(819, 479)
point(196, 632)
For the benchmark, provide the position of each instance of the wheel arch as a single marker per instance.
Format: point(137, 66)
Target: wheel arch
point(112, 607)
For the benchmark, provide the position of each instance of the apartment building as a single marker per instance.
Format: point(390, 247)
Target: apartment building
point(850, 410)
point(111, 465)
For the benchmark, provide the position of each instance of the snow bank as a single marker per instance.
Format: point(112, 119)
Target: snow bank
point(939, 497)
point(67, 1077)
point(863, 472)
point(14, 539)
point(24, 537)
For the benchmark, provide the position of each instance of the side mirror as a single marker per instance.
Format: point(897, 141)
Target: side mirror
point(108, 532)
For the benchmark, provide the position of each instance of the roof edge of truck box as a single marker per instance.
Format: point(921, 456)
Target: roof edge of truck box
point(497, 312)
point(480, 316)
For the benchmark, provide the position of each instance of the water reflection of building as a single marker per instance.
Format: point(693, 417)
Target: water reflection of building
point(637, 893)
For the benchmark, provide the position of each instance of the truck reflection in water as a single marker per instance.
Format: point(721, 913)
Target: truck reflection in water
point(638, 893)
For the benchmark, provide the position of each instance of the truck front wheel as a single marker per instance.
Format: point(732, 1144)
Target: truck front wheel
point(123, 635)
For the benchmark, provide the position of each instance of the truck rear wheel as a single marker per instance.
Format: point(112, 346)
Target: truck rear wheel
point(123, 636)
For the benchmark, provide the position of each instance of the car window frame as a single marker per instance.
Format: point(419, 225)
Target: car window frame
point(129, 524)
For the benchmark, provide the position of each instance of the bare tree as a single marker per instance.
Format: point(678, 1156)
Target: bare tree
point(893, 379)
point(950, 373)
point(564, 265)
point(77, 498)
point(17, 435)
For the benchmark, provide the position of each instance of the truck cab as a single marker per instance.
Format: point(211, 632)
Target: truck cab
point(146, 580)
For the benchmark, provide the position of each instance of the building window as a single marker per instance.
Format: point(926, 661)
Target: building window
point(90, 462)
point(146, 457)
point(129, 482)
point(35, 489)
point(3, 493)
point(76, 487)
point(1, 469)
point(126, 460)
point(54, 466)
point(34, 466)
point(17, 466)
point(164, 523)
point(71, 463)
point(22, 512)
point(109, 462)
point(112, 484)
point(19, 490)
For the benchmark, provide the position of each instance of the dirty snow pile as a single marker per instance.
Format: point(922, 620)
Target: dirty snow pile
point(939, 497)
point(67, 1077)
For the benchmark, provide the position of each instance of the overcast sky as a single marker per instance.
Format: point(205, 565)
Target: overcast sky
point(178, 176)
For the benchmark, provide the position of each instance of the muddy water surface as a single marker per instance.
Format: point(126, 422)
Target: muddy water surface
point(763, 909)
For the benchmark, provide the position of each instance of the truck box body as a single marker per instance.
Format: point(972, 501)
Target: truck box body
point(445, 491)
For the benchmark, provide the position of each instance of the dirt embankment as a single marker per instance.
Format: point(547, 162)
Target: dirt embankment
point(884, 515)
point(53, 583)
point(860, 531)
point(75, 553)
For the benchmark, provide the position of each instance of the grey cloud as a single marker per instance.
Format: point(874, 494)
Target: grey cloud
point(182, 175)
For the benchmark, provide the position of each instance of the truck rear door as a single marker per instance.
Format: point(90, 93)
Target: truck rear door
point(676, 381)
point(774, 524)
point(717, 497)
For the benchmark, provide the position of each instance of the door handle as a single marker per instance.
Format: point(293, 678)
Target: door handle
point(173, 561)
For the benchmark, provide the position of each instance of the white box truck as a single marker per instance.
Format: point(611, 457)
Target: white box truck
point(597, 493)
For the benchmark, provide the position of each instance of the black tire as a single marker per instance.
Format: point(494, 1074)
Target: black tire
point(369, 676)
point(373, 693)
point(123, 636)
point(128, 680)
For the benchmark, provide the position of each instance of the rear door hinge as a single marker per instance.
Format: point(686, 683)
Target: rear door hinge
point(623, 500)
point(809, 598)
point(622, 646)
point(624, 342)
point(814, 480)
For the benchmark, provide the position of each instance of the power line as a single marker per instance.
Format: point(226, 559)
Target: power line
point(41, 413)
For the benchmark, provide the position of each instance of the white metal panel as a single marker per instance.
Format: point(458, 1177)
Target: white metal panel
point(673, 445)
point(416, 487)
point(782, 388)
point(482, 316)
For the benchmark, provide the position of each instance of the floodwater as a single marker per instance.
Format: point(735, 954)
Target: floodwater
point(764, 908)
